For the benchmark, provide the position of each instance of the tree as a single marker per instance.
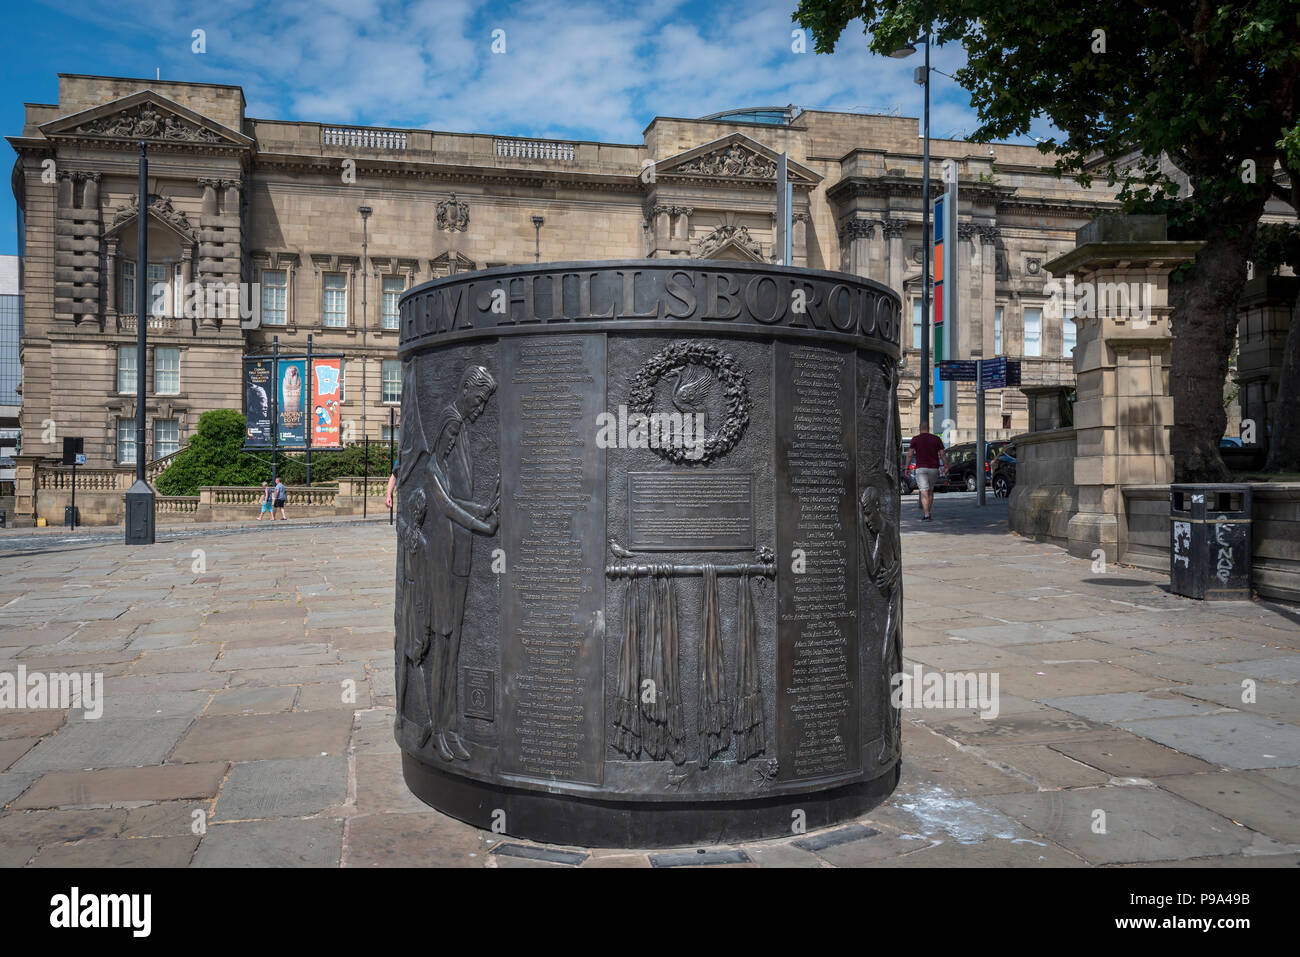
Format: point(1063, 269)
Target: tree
point(1211, 85)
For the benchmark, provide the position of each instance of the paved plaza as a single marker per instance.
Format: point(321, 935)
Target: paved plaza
point(248, 710)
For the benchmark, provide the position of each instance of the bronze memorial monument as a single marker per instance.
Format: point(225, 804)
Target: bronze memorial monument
point(648, 570)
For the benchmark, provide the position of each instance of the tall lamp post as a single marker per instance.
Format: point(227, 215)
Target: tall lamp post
point(140, 497)
point(365, 212)
point(537, 233)
point(922, 78)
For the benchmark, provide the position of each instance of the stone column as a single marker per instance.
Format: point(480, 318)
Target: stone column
point(855, 235)
point(209, 207)
point(1124, 412)
point(65, 190)
point(26, 468)
point(681, 220)
point(110, 284)
point(90, 196)
point(893, 231)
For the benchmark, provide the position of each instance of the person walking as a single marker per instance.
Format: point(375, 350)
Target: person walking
point(931, 459)
point(281, 494)
point(266, 503)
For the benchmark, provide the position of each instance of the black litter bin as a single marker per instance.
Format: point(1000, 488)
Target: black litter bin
point(1209, 541)
point(71, 516)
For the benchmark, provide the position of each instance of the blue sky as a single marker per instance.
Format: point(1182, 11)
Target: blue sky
point(575, 70)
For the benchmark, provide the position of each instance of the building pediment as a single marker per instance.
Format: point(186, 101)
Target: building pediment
point(730, 242)
point(734, 157)
point(160, 209)
point(145, 116)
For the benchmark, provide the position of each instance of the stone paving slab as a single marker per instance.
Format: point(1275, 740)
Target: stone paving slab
point(1255, 800)
point(293, 787)
point(138, 852)
point(316, 842)
point(120, 785)
point(1140, 824)
point(264, 737)
point(1229, 740)
point(1129, 756)
point(106, 743)
point(1114, 708)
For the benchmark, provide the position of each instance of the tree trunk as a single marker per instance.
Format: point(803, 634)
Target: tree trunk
point(1204, 321)
point(1284, 441)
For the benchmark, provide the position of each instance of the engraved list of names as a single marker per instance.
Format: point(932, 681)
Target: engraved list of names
point(552, 536)
point(817, 655)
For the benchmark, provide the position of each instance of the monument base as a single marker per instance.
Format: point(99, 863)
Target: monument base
point(553, 819)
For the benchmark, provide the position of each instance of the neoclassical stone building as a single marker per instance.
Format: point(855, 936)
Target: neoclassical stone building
point(237, 199)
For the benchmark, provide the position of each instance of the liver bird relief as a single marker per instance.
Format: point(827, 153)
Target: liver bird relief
point(691, 393)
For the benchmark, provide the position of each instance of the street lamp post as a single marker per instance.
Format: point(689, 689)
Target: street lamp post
point(537, 233)
point(140, 502)
point(365, 212)
point(922, 78)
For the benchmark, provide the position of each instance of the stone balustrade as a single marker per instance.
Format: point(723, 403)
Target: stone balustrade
point(535, 149)
point(363, 136)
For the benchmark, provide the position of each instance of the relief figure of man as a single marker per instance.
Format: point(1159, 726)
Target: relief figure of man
point(880, 554)
point(454, 520)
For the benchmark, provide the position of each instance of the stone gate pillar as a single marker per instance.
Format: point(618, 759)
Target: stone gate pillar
point(1117, 281)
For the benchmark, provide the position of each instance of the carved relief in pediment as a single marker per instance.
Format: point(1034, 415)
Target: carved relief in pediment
point(148, 123)
point(734, 160)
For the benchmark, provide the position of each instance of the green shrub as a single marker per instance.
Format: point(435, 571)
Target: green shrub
point(215, 456)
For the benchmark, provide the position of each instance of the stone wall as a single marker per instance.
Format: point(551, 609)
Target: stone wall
point(1045, 497)
point(100, 500)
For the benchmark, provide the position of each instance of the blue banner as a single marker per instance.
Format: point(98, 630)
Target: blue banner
point(291, 419)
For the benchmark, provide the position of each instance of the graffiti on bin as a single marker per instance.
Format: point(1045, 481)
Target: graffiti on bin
point(1183, 543)
point(1224, 571)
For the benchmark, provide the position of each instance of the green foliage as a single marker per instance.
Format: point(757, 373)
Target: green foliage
point(1276, 244)
point(1211, 85)
point(215, 456)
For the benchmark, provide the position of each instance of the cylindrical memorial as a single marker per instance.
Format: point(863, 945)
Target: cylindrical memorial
point(648, 572)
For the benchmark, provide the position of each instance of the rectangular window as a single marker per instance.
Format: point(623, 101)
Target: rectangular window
point(394, 286)
point(389, 435)
point(126, 371)
point(159, 291)
point(126, 441)
point(334, 300)
point(275, 296)
point(916, 323)
point(1069, 334)
point(1033, 331)
point(166, 370)
point(997, 331)
point(166, 437)
point(128, 287)
point(392, 381)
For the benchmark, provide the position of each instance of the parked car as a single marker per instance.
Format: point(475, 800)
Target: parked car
point(906, 473)
point(1004, 471)
point(961, 464)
